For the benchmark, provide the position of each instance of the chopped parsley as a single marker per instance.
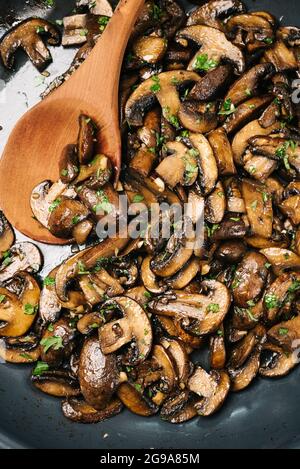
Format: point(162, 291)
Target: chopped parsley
point(75, 220)
point(54, 205)
point(228, 108)
point(41, 367)
point(2, 298)
point(271, 301)
point(138, 198)
point(30, 309)
point(156, 84)
point(54, 342)
point(103, 21)
point(213, 308)
point(203, 63)
point(283, 331)
point(26, 356)
point(49, 281)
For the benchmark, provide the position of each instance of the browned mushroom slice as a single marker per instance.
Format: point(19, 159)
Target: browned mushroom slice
point(280, 294)
point(68, 164)
point(198, 117)
point(164, 88)
point(185, 275)
point(19, 311)
point(78, 410)
point(245, 347)
point(214, 48)
point(65, 216)
point(90, 322)
point(297, 242)
point(247, 318)
point(258, 203)
point(95, 174)
point(46, 196)
point(249, 279)
point(151, 129)
point(57, 383)
point(240, 140)
point(26, 35)
point(291, 208)
point(174, 329)
point(133, 399)
point(281, 259)
point(167, 371)
point(21, 257)
point(179, 408)
point(242, 377)
point(211, 85)
point(214, 13)
point(259, 167)
point(247, 85)
point(86, 260)
point(256, 26)
point(206, 310)
point(246, 112)
point(286, 334)
point(215, 205)
point(231, 252)
point(85, 143)
point(290, 35)
point(217, 350)
point(208, 170)
point(49, 305)
point(213, 388)
point(275, 362)
point(229, 228)
point(149, 278)
point(23, 349)
point(178, 251)
point(150, 49)
point(134, 327)
point(7, 235)
point(98, 374)
point(183, 163)
point(235, 201)
point(281, 57)
point(58, 342)
point(178, 353)
point(222, 150)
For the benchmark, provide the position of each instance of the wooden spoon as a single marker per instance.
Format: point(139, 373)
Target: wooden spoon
point(34, 147)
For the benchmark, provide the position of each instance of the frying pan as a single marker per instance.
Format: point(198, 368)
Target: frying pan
point(266, 415)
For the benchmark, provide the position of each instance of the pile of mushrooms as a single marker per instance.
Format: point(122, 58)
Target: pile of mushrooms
point(207, 118)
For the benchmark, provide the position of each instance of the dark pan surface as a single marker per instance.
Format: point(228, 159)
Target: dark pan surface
point(264, 416)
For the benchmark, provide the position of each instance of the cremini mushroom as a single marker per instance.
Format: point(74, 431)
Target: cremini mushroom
point(78, 410)
point(21, 257)
point(27, 35)
point(57, 383)
point(7, 235)
point(24, 349)
point(215, 12)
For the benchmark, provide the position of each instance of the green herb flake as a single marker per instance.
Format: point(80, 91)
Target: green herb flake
point(251, 303)
point(41, 367)
point(283, 331)
point(248, 92)
point(103, 22)
point(50, 328)
point(54, 205)
point(138, 387)
point(220, 333)
point(203, 63)
point(49, 281)
point(147, 294)
point(271, 301)
point(64, 172)
point(54, 342)
point(84, 32)
point(269, 40)
point(213, 308)
point(138, 198)
point(2, 298)
point(26, 356)
point(40, 29)
point(254, 205)
point(228, 108)
point(75, 220)
point(82, 270)
point(268, 265)
point(155, 88)
point(30, 309)
point(235, 219)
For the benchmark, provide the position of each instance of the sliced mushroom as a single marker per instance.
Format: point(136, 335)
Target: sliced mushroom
point(150, 49)
point(246, 112)
point(198, 117)
point(245, 347)
point(19, 311)
point(134, 328)
point(178, 353)
point(212, 84)
point(222, 150)
point(57, 383)
point(26, 35)
point(286, 334)
point(95, 174)
point(7, 235)
point(242, 377)
point(215, 205)
point(214, 13)
point(58, 343)
point(231, 252)
point(281, 57)
point(213, 388)
point(90, 322)
point(202, 313)
point(49, 305)
point(179, 408)
point(21, 257)
point(133, 399)
point(214, 46)
point(177, 252)
point(85, 143)
point(164, 88)
point(249, 279)
point(98, 374)
point(23, 349)
point(78, 410)
point(257, 27)
point(208, 170)
point(101, 7)
point(280, 295)
point(149, 279)
point(258, 202)
point(65, 216)
point(248, 84)
point(281, 259)
point(185, 275)
point(68, 164)
point(183, 163)
point(275, 362)
point(217, 350)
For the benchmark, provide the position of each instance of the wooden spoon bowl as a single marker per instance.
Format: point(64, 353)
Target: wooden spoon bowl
point(34, 147)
